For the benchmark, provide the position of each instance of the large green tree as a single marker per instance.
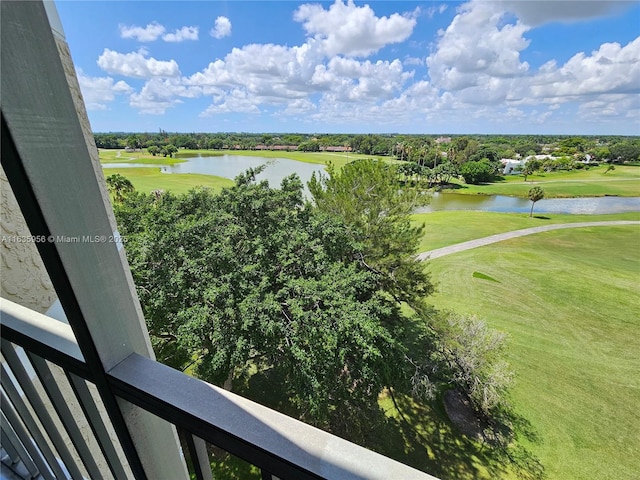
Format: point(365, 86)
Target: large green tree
point(367, 196)
point(626, 151)
point(255, 279)
point(477, 172)
point(168, 150)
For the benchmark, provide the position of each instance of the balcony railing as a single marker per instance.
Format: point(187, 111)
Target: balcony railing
point(280, 446)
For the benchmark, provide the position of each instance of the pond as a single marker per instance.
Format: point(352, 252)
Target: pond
point(229, 166)
point(501, 203)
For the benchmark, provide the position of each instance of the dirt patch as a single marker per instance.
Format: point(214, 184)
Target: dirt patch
point(462, 414)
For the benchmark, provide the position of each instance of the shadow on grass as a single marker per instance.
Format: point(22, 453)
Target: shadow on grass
point(451, 186)
point(260, 388)
point(424, 438)
point(484, 277)
point(541, 217)
point(223, 464)
point(421, 436)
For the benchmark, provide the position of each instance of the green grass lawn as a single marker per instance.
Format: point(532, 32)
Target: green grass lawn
point(428, 442)
point(139, 156)
point(451, 227)
point(147, 179)
point(623, 181)
point(569, 301)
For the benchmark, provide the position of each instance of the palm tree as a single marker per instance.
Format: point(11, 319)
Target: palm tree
point(400, 147)
point(535, 194)
point(119, 186)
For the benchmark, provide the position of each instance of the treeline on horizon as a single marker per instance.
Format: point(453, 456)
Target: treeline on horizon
point(416, 148)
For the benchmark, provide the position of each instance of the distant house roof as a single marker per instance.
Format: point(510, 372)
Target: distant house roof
point(512, 166)
point(284, 147)
point(336, 149)
point(262, 146)
point(541, 157)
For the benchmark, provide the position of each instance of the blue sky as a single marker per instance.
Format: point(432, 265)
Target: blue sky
point(500, 66)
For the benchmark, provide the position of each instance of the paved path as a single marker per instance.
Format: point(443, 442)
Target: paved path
point(589, 180)
point(481, 242)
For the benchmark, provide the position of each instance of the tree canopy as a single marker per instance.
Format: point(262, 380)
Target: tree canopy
point(477, 172)
point(118, 186)
point(535, 194)
point(255, 278)
point(367, 196)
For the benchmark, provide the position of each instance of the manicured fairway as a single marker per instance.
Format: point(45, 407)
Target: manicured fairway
point(147, 179)
point(623, 181)
point(569, 301)
point(139, 156)
point(451, 227)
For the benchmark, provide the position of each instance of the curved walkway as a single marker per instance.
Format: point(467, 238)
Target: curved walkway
point(481, 242)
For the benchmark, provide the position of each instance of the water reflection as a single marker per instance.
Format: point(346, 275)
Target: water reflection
point(501, 203)
point(230, 166)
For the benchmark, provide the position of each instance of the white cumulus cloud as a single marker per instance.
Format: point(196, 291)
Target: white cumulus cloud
point(607, 107)
point(276, 75)
point(97, 92)
point(351, 30)
point(477, 67)
point(159, 94)
point(154, 30)
point(221, 28)
point(264, 70)
point(349, 80)
point(184, 33)
point(150, 33)
point(612, 68)
point(136, 65)
point(477, 45)
point(238, 100)
point(476, 76)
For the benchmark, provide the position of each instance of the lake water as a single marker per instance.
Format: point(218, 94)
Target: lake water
point(501, 203)
point(229, 166)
